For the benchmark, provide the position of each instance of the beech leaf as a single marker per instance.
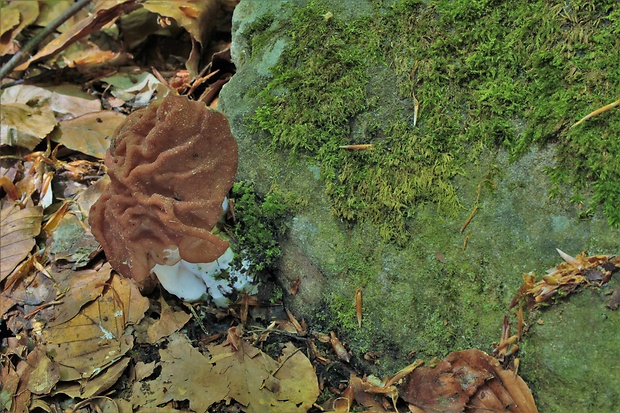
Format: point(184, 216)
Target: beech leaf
point(247, 375)
point(96, 337)
point(90, 133)
point(18, 228)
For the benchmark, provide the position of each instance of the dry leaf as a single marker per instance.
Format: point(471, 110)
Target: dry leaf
point(72, 102)
point(42, 374)
point(467, 381)
point(18, 227)
point(9, 380)
point(137, 88)
point(247, 376)
point(51, 10)
point(97, 336)
point(194, 16)
point(71, 241)
point(80, 287)
point(24, 125)
point(87, 388)
point(170, 321)
point(567, 277)
point(93, 22)
point(90, 134)
point(14, 17)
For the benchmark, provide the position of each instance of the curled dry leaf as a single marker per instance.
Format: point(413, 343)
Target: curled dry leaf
point(467, 381)
point(358, 306)
point(568, 276)
point(339, 349)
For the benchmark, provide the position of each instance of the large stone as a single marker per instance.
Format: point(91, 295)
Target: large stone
point(445, 288)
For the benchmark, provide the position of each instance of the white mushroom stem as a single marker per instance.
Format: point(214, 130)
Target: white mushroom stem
point(178, 281)
point(193, 282)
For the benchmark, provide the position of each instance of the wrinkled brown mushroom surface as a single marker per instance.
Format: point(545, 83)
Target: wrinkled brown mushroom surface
point(170, 166)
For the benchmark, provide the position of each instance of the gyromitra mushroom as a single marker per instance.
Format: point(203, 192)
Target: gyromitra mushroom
point(171, 166)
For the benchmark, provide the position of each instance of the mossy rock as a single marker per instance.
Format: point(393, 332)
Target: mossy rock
point(492, 135)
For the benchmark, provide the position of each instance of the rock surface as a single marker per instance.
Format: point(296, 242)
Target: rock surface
point(432, 295)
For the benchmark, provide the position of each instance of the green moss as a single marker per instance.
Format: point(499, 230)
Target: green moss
point(486, 73)
point(259, 224)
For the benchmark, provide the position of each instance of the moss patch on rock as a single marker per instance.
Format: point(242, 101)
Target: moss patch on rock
point(486, 74)
point(259, 223)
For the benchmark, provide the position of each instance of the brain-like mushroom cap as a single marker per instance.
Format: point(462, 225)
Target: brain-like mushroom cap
point(170, 166)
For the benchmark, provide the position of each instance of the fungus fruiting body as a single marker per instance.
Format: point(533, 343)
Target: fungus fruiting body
point(216, 280)
point(170, 166)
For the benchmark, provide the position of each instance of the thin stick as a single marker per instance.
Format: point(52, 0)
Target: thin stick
point(597, 112)
point(18, 57)
point(471, 216)
point(416, 102)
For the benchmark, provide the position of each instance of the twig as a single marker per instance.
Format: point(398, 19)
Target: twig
point(597, 112)
point(416, 102)
point(18, 57)
point(358, 147)
point(475, 207)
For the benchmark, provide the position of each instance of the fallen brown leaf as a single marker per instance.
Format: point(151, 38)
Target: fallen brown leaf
point(170, 320)
point(18, 229)
point(79, 288)
point(96, 337)
point(42, 374)
point(247, 375)
point(467, 381)
point(105, 12)
point(90, 134)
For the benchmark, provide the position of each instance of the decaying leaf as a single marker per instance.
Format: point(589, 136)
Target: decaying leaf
point(41, 373)
point(96, 337)
point(18, 227)
point(72, 242)
point(105, 12)
point(170, 320)
point(467, 381)
point(568, 276)
point(79, 288)
point(90, 134)
point(246, 375)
